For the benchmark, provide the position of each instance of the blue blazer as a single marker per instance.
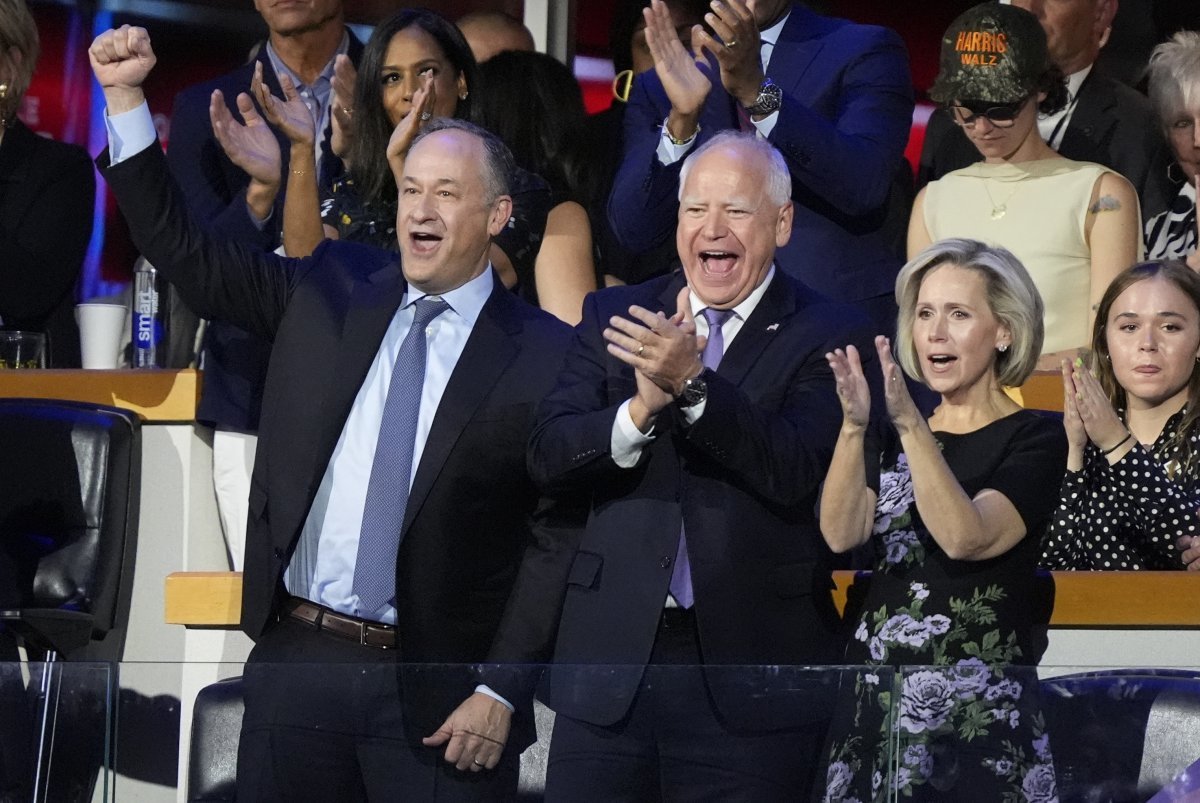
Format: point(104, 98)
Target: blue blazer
point(845, 119)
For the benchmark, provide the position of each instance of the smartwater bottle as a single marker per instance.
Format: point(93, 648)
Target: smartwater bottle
point(149, 317)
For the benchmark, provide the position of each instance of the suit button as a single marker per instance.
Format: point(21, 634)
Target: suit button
point(664, 563)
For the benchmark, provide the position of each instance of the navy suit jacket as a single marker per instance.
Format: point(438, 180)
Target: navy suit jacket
point(473, 511)
point(1112, 125)
point(846, 114)
point(742, 480)
point(235, 361)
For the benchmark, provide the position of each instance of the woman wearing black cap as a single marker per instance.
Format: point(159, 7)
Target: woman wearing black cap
point(1074, 225)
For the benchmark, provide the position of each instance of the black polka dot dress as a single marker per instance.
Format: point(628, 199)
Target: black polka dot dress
point(1129, 515)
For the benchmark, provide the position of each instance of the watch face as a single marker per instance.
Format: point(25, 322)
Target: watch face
point(694, 392)
point(769, 99)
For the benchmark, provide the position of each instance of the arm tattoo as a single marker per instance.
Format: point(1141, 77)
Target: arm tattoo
point(1105, 203)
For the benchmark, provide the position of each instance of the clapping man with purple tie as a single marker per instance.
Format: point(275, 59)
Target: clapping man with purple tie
point(699, 412)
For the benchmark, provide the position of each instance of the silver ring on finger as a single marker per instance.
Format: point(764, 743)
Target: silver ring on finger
point(641, 348)
point(425, 116)
point(478, 763)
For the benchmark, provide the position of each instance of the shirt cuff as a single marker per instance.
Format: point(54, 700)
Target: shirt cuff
point(766, 125)
point(692, 414)
point(129, 133)
point(259, 224)
point(668, 152)
point(627, 440)
point(482, 689)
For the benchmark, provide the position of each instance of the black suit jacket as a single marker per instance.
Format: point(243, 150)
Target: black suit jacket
point(1112, 125)
point(742, 480)
point(47, 202)
point(473, 510)
point(235, 361)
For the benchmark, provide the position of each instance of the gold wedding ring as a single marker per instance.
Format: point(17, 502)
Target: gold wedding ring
point(732, 43)
point(641, 348)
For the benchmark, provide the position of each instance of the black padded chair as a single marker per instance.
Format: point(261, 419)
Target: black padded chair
point(216, 728)
point(1121, 735)
point(70, 478)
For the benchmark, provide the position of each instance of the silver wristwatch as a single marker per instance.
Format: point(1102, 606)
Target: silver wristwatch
point(770, 98)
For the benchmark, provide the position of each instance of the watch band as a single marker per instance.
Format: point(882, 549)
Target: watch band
point(770, 98)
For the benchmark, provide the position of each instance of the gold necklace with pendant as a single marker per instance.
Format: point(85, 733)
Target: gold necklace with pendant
point(999, 210)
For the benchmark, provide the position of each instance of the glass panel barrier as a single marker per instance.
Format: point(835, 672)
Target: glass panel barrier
point(55, 731)
point(865, 733)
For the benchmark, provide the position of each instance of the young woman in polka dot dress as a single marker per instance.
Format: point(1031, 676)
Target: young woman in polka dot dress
point(1131, 494)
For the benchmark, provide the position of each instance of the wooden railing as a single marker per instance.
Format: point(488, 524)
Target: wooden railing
point(155, 395)
point(1081, 599)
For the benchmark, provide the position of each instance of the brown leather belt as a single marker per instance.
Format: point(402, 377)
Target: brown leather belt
point(368, 634)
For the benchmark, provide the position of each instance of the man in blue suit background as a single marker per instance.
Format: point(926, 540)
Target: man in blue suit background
point(835, 98)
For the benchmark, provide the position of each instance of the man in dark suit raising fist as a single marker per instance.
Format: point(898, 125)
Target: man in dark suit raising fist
point(390, 508)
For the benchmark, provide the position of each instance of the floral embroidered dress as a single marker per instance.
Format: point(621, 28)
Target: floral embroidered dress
point(966, 725)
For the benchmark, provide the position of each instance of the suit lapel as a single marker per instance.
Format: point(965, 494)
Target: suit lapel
point(777, 303)
point(490, 348)
point(796, 49)
point(1090, 121)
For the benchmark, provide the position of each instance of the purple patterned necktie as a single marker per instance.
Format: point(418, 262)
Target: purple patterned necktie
point(391, 470)
point(714, 348)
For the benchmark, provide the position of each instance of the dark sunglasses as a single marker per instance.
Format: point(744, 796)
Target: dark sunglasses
point(1001, 115)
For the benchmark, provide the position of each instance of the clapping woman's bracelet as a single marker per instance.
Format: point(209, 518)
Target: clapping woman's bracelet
point(1122, 442)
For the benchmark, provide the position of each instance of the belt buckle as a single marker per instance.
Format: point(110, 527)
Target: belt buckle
point(362, 638)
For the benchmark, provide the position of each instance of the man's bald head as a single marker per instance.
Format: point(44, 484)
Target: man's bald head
point(492, 32)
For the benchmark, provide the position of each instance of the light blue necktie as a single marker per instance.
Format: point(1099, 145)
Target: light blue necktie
point(391, 471)
point(714, 347)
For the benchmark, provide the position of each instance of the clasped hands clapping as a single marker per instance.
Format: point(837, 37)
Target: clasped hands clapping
point(252, 146)
point(855, 395)
point(684, 74)
point(663, 352)
point(1088, 416)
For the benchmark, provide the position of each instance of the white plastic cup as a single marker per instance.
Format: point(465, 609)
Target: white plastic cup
point(100, 329)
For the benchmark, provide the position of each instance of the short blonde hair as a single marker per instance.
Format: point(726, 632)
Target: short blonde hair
point(17, 32)
point(1011, 296)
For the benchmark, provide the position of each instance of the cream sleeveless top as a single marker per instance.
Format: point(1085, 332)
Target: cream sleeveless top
point(1037, 210)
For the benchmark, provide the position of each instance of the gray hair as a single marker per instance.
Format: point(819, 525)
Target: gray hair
point(498, 164)
point(1011, 296)
point(1174, 73)
point(17, 31)
point(779, 180)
